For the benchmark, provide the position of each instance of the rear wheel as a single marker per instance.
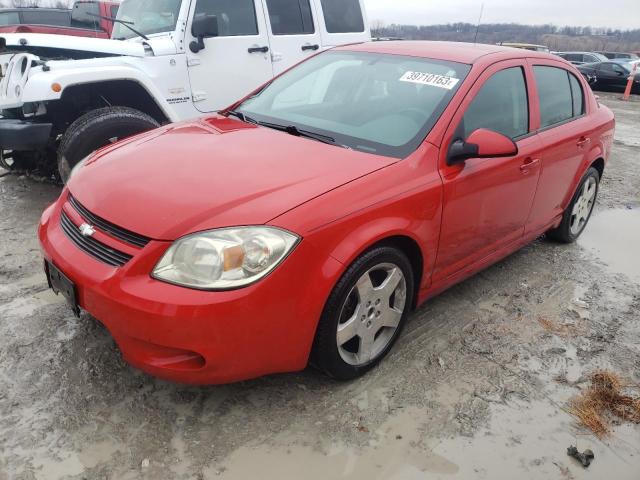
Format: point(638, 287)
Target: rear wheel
point(364, 314)
point(96, 129)
point(578, 213)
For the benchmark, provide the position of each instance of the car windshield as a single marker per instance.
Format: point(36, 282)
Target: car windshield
point(382, 104)
point(147, 17)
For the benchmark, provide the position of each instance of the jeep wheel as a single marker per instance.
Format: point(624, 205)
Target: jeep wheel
point(97, 129)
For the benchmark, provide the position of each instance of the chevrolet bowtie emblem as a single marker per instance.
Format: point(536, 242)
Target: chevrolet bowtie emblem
point(87, 230)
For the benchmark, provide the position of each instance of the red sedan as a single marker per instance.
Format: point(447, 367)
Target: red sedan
point(305, 223)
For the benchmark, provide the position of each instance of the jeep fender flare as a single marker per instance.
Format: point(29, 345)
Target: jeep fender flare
point(39, 88)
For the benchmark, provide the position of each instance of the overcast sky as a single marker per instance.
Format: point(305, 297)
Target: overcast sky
point(597, 13)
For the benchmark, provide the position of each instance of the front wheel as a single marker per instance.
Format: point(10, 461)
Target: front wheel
point(578, 213)
point(97, 129)
point(364, 314)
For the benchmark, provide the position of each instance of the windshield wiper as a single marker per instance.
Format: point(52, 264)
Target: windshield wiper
point(296, 132)
point(290, 129)
point(241, 116)
point(121, 22)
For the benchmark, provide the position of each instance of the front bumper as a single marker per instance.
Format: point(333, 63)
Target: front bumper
point(22, 135)
point(197, 337)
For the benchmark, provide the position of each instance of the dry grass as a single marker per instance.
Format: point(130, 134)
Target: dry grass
point(604, 399)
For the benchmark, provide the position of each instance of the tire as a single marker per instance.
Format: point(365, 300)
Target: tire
point(568, 231)
point(361, 318)
point(96, 129)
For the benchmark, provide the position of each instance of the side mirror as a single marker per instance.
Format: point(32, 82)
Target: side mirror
point(204, 26)
point(482, 143)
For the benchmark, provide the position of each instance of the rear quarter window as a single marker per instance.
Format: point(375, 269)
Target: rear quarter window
point(343, 16)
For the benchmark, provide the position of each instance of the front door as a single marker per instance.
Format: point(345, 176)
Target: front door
point(294, 32)
point(487, 201)
point(234, 63)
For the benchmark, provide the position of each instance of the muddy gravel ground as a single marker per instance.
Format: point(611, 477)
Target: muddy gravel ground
point(477, 387)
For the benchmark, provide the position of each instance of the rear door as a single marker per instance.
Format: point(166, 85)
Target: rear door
point(342, 22)
point(566, 135)
point(234, 63)
point(294, 32)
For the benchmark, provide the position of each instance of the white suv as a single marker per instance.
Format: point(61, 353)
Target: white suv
point(62, 97)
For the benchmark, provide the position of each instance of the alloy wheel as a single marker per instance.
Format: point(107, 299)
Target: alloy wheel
point(371, 314)
point(583, 206)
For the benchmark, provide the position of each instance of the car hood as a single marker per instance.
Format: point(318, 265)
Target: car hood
point(65, 43)
point(212, 173)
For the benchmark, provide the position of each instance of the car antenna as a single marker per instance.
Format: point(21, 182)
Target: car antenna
point(475, 39)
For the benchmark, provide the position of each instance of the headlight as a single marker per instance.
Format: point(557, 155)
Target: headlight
point(77, 167)
point(224, 259)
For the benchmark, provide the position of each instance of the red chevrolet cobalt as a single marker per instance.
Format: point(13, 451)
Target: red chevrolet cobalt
point(305, 223)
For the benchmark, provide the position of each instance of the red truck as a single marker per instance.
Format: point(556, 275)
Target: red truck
point(82, 20)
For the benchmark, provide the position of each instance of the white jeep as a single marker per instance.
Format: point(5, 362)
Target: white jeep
point(63, 97)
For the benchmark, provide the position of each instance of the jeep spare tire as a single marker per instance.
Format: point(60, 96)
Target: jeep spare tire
point(96, 129)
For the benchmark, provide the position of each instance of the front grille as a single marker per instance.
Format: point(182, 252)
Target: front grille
point(96, 249)
point(108, 227)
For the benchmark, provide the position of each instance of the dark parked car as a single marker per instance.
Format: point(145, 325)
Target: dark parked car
point(610, 76)
point(613, 55)
point(580, 58)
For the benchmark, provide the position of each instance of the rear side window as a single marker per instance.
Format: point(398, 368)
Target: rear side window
point(554, 91)
point(290, 17)
point(57, 19)
point(343, 16)
point(9, 18)
point(235, 17)
point(574, 57)
point(501, 105)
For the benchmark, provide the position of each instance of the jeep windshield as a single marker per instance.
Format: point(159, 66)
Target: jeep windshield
point(375, 103)
point(147, 17)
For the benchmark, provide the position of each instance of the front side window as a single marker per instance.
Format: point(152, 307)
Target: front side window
point(290, 17)
point(501, 105)
point(574, 57)
point(554, 92)
point(382, 104)
point(343, 16)
point(147, 17)
point(235, 17)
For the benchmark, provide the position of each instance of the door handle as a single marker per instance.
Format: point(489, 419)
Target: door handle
point(528, 164)
point(264, 49)
point(310, 47)
point(583, 142)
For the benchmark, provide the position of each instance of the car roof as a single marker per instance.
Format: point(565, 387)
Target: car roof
point(460, 52)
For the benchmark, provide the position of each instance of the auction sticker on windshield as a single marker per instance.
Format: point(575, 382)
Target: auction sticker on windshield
point(441, 81)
